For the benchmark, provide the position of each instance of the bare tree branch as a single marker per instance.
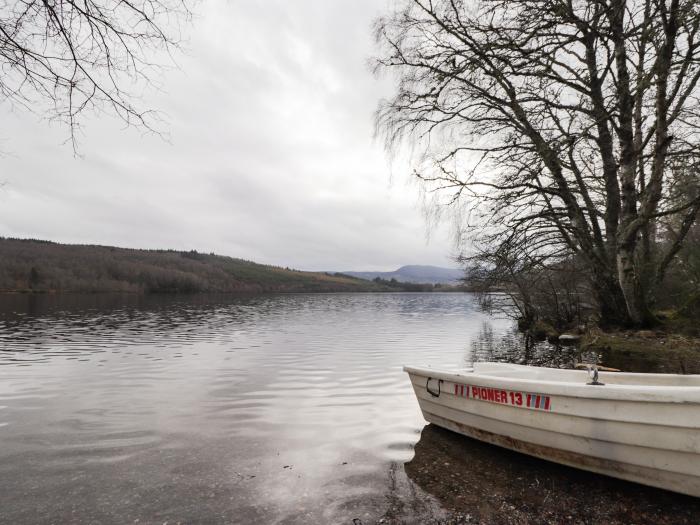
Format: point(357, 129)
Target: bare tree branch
point(85, 55)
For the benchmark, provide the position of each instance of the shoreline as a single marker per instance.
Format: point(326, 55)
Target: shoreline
point(20, 292)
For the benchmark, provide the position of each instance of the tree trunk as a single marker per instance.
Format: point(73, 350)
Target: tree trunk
point(611, 300)
point(633, 289)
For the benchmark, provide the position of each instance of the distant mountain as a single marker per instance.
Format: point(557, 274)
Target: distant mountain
point(415, 274)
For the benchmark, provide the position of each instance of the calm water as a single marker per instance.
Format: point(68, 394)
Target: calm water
point(279, 409)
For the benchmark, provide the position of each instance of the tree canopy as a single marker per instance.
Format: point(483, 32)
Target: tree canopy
point(80, 55)
point(570, 127)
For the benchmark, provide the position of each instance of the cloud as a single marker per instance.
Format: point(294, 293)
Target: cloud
point(270, 158)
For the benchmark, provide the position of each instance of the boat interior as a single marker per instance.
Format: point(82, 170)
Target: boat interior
point(508, 370)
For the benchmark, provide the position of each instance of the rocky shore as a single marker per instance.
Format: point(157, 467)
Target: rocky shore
point(479, 483)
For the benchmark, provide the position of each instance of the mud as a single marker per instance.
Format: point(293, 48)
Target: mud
point(480, 483)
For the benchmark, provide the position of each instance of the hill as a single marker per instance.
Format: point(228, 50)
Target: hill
point(415, 274)
point(44, 266)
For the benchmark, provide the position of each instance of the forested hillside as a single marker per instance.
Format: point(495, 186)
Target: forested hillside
point(43, 266)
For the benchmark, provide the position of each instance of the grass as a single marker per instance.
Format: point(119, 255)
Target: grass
point(673, 347)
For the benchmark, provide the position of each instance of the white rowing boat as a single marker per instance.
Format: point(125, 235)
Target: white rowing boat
point(638, 427)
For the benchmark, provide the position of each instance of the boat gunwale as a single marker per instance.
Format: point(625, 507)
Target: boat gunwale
point(505, 365)
point(610, 391)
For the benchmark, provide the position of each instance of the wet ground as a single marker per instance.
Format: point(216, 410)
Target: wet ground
point(480, 483)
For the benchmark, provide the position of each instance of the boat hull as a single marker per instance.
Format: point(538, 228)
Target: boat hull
point(655, 442)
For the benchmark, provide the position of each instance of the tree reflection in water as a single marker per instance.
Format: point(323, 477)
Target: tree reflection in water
point(512, 346)
point(516, 347)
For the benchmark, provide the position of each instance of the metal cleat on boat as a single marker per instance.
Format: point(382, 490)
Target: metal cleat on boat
point(593, 372)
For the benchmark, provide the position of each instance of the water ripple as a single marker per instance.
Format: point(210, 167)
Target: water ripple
point(146, 408)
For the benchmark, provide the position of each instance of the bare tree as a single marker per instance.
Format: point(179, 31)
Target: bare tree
point(81, 55)
point(565, 122)
point(513, 277)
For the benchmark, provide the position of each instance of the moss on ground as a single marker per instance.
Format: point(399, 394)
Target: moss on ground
point(662, 351)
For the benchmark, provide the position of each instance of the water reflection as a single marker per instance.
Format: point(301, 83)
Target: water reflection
point(285, 409)
point(513, 347)
point(493, 343)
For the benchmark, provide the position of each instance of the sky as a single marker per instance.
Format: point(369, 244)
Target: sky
point(270, 155)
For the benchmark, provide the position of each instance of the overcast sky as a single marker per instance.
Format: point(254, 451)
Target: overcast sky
point(271, 154)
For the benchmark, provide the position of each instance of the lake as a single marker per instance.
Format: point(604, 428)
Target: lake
point(268, 409)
